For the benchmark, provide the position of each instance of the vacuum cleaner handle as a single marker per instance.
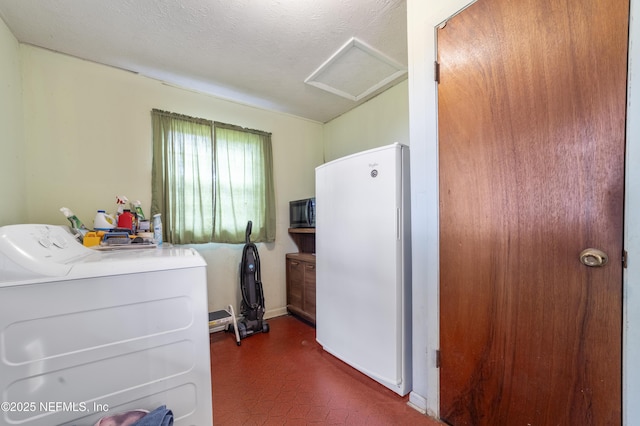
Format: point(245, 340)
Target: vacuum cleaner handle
point(247, 233)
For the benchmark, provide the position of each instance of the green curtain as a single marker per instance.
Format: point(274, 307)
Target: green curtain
point(244, 184)
point(207, 184)
point(183, 176)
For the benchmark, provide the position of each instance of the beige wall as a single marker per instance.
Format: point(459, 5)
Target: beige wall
point(88, 139)
point(378, 122)
point(12, 155)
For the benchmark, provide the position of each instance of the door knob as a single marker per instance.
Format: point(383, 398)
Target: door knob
point(593, 257)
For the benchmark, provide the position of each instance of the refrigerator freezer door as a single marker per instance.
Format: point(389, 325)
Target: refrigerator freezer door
point(359, 246)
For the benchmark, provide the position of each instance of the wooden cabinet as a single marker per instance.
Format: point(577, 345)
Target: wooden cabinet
point(301, 275)
point(301, 285)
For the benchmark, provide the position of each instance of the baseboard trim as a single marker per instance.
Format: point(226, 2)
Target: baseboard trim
point(275, 313)
point(417, 402)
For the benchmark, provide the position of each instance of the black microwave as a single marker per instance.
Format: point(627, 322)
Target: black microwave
point(302, 213)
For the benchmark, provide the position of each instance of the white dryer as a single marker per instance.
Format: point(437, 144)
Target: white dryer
point(86, 334)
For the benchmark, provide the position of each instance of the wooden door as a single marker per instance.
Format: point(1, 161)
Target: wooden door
point(531, 107)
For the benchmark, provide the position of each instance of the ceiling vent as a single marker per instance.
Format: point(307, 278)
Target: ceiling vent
point(355, 71)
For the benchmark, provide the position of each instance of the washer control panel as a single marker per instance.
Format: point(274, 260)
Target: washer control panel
point(41, 249)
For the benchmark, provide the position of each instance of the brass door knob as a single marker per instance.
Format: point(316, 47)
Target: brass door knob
point(593, 257)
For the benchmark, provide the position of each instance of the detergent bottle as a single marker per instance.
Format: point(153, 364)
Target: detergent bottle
point(103, 221)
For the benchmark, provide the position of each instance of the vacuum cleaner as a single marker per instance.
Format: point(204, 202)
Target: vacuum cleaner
point(252, 306)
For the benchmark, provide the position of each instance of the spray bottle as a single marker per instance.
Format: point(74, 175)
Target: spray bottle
point(121, 200)
point(76, 224)
point(72, 218)
point(136, 206)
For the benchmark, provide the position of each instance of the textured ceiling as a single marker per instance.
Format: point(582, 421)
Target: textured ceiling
point(257, 52)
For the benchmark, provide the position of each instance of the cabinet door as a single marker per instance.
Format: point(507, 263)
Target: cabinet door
point(310, 289)
point(295, 280)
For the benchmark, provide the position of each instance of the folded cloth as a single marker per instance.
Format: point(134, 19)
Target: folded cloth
point(122, 419)
point(161, 416)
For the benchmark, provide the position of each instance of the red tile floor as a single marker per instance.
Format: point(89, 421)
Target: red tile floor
point(285, 378)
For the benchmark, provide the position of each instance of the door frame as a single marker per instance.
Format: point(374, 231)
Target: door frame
point(422, 21)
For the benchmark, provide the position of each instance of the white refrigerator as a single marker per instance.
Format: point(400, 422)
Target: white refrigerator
point(363, 269)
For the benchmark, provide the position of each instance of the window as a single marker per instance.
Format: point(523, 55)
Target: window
point(209, 179)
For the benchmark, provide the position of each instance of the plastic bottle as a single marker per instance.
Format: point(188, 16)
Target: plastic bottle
point(136, 206)
point(103, 222)
point(121, 200)
point(157, 228)
point(126, 220)
point(72, 218)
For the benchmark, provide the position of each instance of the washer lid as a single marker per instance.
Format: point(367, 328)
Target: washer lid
point(31, 250)
point(34, 253)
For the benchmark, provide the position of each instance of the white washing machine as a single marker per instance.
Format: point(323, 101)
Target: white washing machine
point(86, 334)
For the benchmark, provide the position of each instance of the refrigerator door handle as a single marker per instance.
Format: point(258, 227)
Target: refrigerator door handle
point(398, 224)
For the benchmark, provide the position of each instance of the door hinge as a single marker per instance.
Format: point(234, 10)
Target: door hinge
point(437, 358)
point(625, 256)
point(436, 72)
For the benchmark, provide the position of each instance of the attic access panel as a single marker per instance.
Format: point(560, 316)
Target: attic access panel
point(355, 71)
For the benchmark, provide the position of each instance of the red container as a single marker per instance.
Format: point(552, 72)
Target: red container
point(126, 220)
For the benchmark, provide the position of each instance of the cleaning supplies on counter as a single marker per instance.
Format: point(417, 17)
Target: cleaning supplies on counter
point(92, 239)
point(103, 221)
point(127, 229)
point(121, 201)
point(77, 227)
point(157, 228)
point(136, 207)
point(116, 238)
point(127, 220)
point(73, 219)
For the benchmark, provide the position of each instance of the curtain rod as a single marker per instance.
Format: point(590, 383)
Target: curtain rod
point(181, 116)
point(240, 128)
